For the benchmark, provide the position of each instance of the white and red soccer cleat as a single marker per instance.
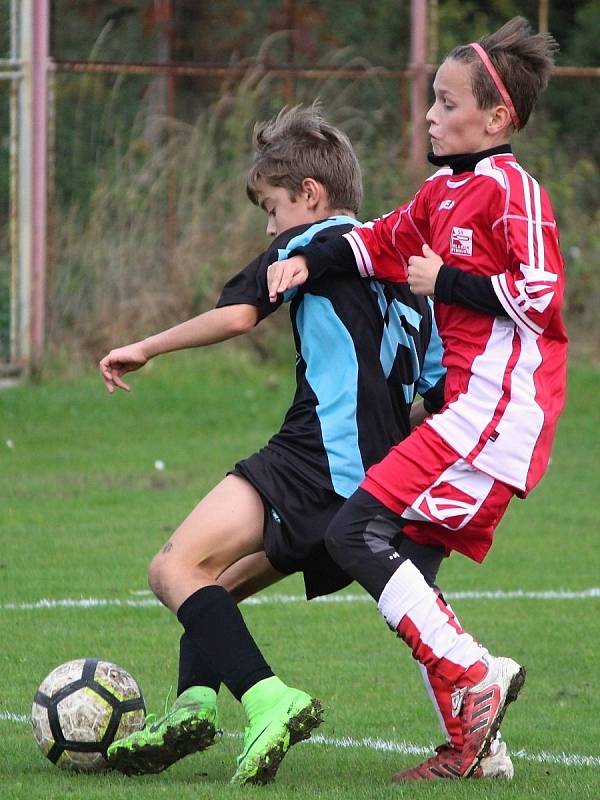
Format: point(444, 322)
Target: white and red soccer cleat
point(484, 705)
point(498, 764)
point(481, 708)
point(448, 762)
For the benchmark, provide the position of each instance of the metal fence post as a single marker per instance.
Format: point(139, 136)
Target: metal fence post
point(31, 183)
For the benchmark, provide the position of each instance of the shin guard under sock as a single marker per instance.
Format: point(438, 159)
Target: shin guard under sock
point(194, 667)
point(214, 624)
point(414, 610)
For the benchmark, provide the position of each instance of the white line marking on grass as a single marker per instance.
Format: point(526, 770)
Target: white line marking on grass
point(82, 602)
point(279, 599)
point(8, 716)
point(404, 748)
point(565, 759)
point(518, 594)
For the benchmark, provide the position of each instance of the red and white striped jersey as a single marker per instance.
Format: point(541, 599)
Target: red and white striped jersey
point(506, 376)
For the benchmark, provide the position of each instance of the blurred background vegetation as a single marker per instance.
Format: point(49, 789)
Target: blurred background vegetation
point(148, 212)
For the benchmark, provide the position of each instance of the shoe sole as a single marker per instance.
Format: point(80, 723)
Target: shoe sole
point(179, 741)
point(514, 687)
point(299, 728)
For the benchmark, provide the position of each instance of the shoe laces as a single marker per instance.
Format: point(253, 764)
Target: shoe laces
point(168, 697)
point(151, 718)
point(247, 730)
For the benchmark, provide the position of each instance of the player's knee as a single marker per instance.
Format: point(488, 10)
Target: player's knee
point(158, 576)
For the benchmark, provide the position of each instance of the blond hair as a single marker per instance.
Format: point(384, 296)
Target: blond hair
point(298, 143)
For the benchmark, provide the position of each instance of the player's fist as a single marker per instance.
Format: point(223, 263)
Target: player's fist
point(423, 271)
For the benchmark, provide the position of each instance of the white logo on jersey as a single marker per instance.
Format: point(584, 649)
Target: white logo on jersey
point(446, 205)
point(461, 242)
point(536, 290)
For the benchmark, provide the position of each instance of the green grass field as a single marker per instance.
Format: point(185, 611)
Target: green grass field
point(84, 509)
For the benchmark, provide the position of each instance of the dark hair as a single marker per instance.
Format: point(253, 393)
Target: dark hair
point(298, 143)
point(524, 60)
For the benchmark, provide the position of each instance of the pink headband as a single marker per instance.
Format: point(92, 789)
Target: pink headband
point(493, 73)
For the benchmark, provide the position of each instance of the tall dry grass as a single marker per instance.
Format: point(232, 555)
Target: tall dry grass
point(133, 261)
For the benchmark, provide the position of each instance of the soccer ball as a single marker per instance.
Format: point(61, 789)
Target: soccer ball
point(81, 707)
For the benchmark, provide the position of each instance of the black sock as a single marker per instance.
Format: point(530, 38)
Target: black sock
point(214, 624)
point(194, 667)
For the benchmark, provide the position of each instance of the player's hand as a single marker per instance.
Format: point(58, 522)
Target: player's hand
point(286, 274)
point(124, 359)
point(423, 271)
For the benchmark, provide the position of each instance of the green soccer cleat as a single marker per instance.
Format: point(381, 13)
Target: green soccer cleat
point(271, 734)
point(190, 726)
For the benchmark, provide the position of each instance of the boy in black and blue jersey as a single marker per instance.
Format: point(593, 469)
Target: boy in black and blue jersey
point(346, 405)
point(364, 350)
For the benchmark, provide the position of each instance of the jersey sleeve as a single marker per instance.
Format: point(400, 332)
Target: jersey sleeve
point(532, 287)
point(381, 248)
point(378, 249)
point(249, 287)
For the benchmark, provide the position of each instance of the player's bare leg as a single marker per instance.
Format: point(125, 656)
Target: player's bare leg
point(189, 576)
point(225, 526)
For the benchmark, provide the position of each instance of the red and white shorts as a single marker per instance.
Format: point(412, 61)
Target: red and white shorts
point(445, 500)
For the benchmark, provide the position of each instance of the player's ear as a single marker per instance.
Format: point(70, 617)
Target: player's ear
point(498, 120)
point(312, 192)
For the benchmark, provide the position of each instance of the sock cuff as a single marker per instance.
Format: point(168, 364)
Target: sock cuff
point(200, 601)
point(403, 591)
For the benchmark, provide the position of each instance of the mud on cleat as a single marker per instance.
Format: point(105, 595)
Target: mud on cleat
point(270, 736)
point(190, 726)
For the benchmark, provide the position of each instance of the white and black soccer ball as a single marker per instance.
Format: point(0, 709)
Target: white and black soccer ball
point(81, 707)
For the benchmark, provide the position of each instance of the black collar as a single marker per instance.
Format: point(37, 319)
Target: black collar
point(466, 162)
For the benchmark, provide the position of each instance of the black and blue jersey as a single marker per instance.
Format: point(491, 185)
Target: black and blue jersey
point(364, 350)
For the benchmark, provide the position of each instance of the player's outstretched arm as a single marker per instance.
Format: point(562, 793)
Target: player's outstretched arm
point(286, 274)
point(211, 327)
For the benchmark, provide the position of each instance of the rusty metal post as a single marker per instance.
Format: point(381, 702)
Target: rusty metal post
point(543, 16)
point(433, 32)
point(40, 21)
point(32, 182)
point(24, 179)
point(164, 19)
point(289, 83)
point(13, 351)
point(418, 67)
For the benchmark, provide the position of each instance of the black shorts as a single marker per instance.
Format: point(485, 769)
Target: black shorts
point(297, 514)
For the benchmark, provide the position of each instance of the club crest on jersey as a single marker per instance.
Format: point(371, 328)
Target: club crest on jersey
point(461, 242)
point(446, 205)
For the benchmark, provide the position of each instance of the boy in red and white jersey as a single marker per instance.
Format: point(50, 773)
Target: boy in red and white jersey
point(480, 236)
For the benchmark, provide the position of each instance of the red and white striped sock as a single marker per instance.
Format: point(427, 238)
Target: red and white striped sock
point(415, 611)
point(441, 693)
